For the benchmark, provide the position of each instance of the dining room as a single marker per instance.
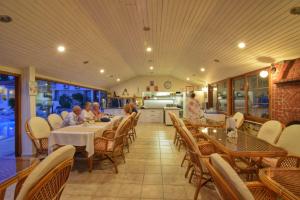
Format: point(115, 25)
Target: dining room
point(150, 99)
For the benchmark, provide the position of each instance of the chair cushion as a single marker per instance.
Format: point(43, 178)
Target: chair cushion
point(270, 131)
point(55, 121)
point(289, 140)
point(231, 177)
point(49, 163)
point(239, 119)
point(39, 127)
point(64, 114)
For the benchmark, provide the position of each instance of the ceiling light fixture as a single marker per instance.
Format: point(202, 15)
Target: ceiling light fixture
point(5, 18)
point(151, 67)
point(61, 49)
point(242, 45)
point(202, 69)
point(102, 71)
point(118, 80)
point(187, 78)
point(264, 73)
point(148, 49)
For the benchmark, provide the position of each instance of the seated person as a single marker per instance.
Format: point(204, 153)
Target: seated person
point(87, 113)
point(96, 111)
point(73, 118)
point(127, 109)
point(133, 107)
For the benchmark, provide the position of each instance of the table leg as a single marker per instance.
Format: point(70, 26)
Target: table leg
point(90, 163)
point(2, 194)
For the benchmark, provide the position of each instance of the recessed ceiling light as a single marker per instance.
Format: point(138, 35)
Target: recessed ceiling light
point(242, 45)
point(118, 80)
point(202, 69)
point(102, 71)
point(151, 67)
point(148, 49)
point(187, 78)
point(61, 48)
point(5, 18)
point(263, 73)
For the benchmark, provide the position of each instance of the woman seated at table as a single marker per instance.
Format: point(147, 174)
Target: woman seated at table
point(87, 113)
point(127, 109)
point(96, 111)
point(73, 118)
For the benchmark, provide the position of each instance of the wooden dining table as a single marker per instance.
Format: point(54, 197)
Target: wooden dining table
point(245, 145)
point(15, 170)
point(285, 182)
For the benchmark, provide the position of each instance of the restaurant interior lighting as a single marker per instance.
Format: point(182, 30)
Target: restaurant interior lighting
point(202, 69)
point(61, 49)
point(149, 49)
point(242, 45)
point(118, 80)
point(151, 67)
point(264, 74)
point(102, 71)
point(187, 78)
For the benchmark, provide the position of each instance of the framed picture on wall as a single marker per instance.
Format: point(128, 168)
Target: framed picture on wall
point(156, 88)
point(151, 83)
point(148, 89)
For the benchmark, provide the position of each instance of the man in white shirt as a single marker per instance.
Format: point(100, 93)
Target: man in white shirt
point(87, 113)
point(73, 118)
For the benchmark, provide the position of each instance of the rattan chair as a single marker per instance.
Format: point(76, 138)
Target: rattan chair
point(230, 186)
point(48, 179)
point(288, 140)
point(111, 146)
point(195, 157)
point(270, 131)
point(55, 121)
point(38, 131)
point(64, 114)
point(239, 119)
point(132, 132)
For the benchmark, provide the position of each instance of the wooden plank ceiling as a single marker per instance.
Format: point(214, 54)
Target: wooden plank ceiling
point(185, 35)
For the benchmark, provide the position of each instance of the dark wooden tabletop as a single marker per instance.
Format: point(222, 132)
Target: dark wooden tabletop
point(245, 145)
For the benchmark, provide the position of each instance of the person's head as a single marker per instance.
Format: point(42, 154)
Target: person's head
point(193, 95)
point(88, 106)
point(77, 110)
point(127, 109)
point(96, 106)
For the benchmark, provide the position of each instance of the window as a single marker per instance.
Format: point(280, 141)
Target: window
point(239, 95)
point(222, 96)
point(56, 97)
point(258, 96)
point(8, 120)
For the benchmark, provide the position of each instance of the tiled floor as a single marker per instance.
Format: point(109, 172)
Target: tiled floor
point(152, 171)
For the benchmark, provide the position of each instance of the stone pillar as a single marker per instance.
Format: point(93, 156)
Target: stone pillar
point(27, 109)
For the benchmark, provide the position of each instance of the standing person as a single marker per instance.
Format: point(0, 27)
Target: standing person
point(194, 109)
point(73, 118)
point(96, 110)
point(87, 113)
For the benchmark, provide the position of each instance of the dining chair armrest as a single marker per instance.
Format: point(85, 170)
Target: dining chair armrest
point(288, 162)
point(260, 191)
point(206, 148)
point(109, 134)
point(101, 143)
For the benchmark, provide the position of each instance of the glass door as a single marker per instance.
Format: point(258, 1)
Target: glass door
point(8, 116)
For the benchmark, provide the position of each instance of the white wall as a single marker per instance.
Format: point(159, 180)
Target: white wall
point(138, 85)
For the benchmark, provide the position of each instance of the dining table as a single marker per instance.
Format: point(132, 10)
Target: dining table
point(285, 182)
point(15, 170)
point(244, 146)
point(81, 136)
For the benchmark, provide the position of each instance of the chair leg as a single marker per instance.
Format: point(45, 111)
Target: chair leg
point(134, 131)
point(184, 159)
point(113, 162)
point(198, 188)
point(188, 170)
point(175, 137)
point(191, 177)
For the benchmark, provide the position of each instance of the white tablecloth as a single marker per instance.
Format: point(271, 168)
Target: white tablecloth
point(80, 135)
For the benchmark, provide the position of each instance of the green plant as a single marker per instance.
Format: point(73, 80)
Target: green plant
point(65, 101)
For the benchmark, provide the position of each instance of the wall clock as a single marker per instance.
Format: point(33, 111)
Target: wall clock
point(167, 84)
